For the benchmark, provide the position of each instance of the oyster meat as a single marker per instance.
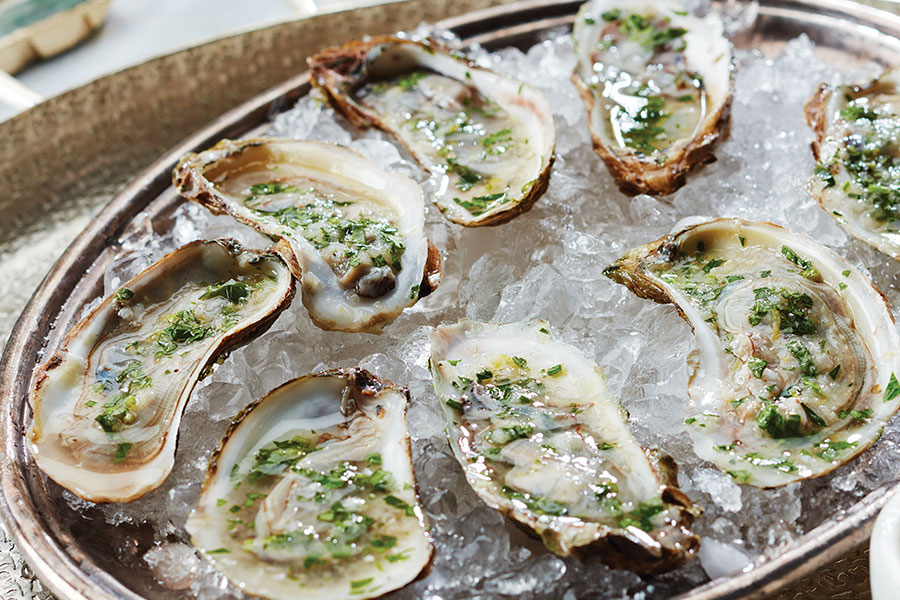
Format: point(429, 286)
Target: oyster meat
point(794, 371)
point(543, 440)
point(311, 493)
point(657, 85)
point(857, 177)
point(352, 234)
point(493, 136)
point(107, 404)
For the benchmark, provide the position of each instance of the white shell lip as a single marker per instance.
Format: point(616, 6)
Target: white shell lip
point(329, 307)
point(294, 403)
point(884, 552)
point(869, 308)
point(340, 71)
point(53, 380)
point(707, 53)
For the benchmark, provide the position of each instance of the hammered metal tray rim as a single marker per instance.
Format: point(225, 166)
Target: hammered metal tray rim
point(72, 579)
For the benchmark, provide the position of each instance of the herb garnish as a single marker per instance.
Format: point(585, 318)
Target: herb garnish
point(185, 329)
point(776, 424)
point(232, 290)
point(809, 271)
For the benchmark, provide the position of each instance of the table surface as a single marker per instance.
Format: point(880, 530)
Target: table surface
point(137, 30)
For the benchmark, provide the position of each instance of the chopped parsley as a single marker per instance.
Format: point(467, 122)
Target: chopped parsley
point(831, 450)
point(824, 173)
point(855, 112)
point(716, 262)
point(232, 290)
point(279, 456)
point(507, 434)
point(803, 356)
point(360, 583)
point(741, 476)
point(776, 424)
point(400, 504)
point(858, 415)
point(892, 390)
point(554, 370)
point(468, 178)
point(643, 130)
point(184, 329)
point(117, 411)
point(790, 311)
point(268, 189)
point(483, 375)
point(481, 204)
point(124, 295)
point(122, 451)
point(497, 142)
point(642, 30)
point(409, 82)
point(757, 365)
point(813, 416)
point(809, 271)
point(535, 503)
point(642, 516)
point(611, 15)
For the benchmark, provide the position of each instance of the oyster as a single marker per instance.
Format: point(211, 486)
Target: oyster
point(108, 403)
point(794, 372)
point(541, 438)
point(351, 233)
point(657, 84)
point(857, 178)
point(492, 135)
point(312, 494)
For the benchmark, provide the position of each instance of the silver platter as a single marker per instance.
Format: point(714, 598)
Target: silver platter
point(76, 557)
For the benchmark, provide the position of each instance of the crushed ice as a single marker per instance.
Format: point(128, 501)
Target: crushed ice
point(545, 263)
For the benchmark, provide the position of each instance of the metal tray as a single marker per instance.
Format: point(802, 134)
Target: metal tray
point(73, 556)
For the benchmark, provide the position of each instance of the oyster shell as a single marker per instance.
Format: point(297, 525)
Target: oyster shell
point(794, 371)
point(311, 493)
point(657, 85)
point(352, 234)
point(857, 180)
point(108, 403)
point(492, 135)
point(541, 439)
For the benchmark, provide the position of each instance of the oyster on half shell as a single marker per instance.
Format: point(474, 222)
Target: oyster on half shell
point(657, 84)
point(351, 233)
point(857, 178)
point(312, 495)
point(493, 136)
point(541, 439)
point(794, 371)
point(107, 404)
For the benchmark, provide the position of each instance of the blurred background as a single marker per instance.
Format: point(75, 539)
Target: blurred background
point(55, 45)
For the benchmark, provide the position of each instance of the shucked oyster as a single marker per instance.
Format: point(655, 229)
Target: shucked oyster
point(312, 495)
point(107, 405)
point(857, 179)
point(794, 372)
point(657, 86)
point(541, 438)
point(492, 135)
point(352, 233)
